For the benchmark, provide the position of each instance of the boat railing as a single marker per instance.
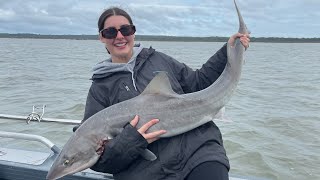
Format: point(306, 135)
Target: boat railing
point(64, 121)
point(36, 116)
point(31, 137)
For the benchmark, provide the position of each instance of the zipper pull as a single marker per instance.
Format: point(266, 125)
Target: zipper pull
point(125, 86)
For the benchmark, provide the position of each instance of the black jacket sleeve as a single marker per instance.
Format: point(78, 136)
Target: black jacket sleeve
point(94, 104)
point(124, 148)
point(96, 101)
point(121, 151)
point(199, 79)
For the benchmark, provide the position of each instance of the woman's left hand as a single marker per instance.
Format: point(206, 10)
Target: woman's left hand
point(151, 136)
point(244, 39)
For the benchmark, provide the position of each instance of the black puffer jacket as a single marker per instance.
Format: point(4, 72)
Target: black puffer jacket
point(176, 156)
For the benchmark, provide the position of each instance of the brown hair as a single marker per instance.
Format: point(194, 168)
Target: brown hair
point(113, 11)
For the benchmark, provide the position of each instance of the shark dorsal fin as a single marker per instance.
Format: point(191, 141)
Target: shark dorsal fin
point(160, 84)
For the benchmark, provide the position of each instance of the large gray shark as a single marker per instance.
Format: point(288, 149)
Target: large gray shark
point(177, 113)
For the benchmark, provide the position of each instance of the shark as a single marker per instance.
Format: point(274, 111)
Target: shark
point(178, 113)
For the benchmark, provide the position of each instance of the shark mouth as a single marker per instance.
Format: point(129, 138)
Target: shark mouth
point(101, 144)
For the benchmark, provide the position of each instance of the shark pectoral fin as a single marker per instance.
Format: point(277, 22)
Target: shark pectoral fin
point(220, 116)
point(148, 155)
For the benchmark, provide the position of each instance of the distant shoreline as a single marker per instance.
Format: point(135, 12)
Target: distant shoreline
point(164, 38)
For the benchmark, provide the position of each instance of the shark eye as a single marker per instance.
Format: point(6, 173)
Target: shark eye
point(66, 162)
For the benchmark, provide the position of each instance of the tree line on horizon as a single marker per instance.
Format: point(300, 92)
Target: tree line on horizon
point(161, 38)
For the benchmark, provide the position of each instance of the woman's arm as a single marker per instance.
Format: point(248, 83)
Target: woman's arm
point(210, 71)
point(118, 153)
point(126, 147)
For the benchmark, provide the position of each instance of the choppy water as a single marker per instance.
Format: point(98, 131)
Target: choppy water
point(275, 131)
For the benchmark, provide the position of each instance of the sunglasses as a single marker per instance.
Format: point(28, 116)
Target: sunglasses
point(112, 32)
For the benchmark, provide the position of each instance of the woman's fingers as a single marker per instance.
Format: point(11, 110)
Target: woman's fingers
point(147, 125)
point(155, 134)
point(134, 121)
point(244, 39)
point(152, 136)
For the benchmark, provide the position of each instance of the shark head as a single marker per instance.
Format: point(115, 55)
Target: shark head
point(78, 154)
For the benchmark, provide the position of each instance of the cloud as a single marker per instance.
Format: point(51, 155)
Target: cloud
point(285, 18)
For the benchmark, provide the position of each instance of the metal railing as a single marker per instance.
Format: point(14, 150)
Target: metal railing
point(36, 116)
point(31, 137)
point(65, 121)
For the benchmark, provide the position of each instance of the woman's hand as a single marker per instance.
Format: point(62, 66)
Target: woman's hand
point(150, 137)
point(244, 39)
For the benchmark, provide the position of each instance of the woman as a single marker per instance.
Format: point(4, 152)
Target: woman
point(197, 154)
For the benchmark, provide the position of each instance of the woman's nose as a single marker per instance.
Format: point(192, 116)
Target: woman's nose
point(119, 35)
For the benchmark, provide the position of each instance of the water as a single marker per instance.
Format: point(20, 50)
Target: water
point(275, 110)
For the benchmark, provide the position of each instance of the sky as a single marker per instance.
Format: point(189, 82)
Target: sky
point(197, 18)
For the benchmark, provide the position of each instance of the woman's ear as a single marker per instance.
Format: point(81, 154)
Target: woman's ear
point(102, 39)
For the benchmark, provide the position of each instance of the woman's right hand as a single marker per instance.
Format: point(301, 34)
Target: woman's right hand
point(152, 136)
point(244, 39)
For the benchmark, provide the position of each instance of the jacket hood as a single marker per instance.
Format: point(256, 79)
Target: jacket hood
point(107, 66)
point(103, 68)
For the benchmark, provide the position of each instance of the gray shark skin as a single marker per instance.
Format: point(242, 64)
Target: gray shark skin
point(177, 113)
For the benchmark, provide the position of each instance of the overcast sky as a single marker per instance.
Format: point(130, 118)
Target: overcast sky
point(264, 18)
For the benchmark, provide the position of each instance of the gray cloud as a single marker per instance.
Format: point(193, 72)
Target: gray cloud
point(285, 18)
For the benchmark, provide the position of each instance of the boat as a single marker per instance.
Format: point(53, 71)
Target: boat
point(26, 164)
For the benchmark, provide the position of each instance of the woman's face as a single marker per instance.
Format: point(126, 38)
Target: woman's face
point(120, 47)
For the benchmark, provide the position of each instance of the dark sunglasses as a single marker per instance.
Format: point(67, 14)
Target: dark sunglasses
point(112, 32)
